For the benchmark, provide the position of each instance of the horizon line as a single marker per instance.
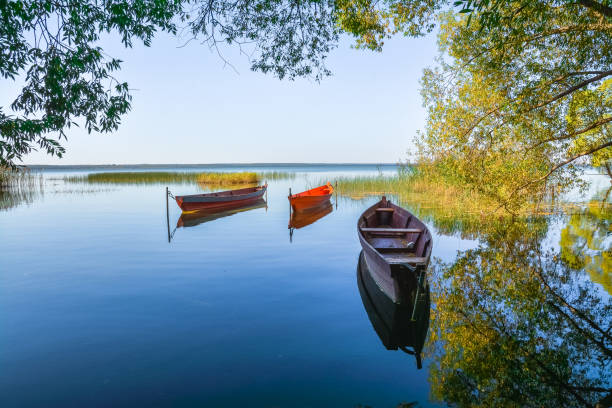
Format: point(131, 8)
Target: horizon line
point(216, 164)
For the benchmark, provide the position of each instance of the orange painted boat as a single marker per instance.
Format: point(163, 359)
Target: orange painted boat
point(311, 198)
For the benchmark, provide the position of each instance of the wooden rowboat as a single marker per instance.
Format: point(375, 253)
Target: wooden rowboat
point(311, 198)
point(221, 199)
point(399, 326)
point(396, 247)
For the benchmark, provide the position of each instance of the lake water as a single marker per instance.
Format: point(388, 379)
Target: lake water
point(97, 308)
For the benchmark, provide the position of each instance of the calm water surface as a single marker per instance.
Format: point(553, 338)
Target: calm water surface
point(97, 308)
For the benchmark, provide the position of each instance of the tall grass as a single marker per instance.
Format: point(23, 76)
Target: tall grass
point(18, 187)
point(228, 178)
point(157, 177)
point(451, 208)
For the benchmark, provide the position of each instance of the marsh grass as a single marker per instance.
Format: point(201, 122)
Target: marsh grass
point(159, 177)
point(228, 178)
point(450, 208)
point(18, 187)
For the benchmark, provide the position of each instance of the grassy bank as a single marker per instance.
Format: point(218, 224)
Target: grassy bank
point(158, 177)
point(451, 208)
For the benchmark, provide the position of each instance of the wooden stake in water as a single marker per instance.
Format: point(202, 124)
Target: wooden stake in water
point(336, 191)
point(167, 213)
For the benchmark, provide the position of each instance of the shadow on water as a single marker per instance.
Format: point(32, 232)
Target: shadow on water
point(399, 326)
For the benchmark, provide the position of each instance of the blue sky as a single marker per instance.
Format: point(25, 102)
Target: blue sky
point(189, 108)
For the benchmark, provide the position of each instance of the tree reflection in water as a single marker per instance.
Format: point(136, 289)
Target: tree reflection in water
point(586, 242)
point(515, 325)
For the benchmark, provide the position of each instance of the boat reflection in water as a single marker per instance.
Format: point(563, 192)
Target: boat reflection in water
point(193, 218)
point(303, 218)
point(400, 326)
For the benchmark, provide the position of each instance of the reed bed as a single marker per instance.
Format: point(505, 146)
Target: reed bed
point(18, 187)
point(158, 177)
point(243, 177)
point(448, 207)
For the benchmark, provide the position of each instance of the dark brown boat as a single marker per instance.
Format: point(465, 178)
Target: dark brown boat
point(396, 247)
point(193, 218)
point(399, 326)
point(221, 199)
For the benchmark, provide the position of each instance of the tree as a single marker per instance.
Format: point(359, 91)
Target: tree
point(51, 45)
point(524, 98)
point(69, 80)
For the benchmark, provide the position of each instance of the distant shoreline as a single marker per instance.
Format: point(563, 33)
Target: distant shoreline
point(209, 165)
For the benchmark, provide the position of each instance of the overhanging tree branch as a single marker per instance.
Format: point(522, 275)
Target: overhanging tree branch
point(598, 7)
point(571, 159)
point(573, 89)
point(570, 135)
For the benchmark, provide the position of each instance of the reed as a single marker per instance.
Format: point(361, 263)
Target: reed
point(228, 178)
point(207, 178)
point(18, 187)
point(450, 208)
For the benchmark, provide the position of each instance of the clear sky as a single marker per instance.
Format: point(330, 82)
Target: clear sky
point(189, 108)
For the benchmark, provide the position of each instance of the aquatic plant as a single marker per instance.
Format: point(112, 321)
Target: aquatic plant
point(158, 177)
point(18, 187)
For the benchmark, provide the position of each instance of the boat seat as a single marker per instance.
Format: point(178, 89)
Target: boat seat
point(384, 209)
point(391, 230)
point(395, 258)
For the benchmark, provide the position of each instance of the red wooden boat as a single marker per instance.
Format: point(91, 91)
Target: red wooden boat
point(396, 247)
point(221, 199)
point(311, 198)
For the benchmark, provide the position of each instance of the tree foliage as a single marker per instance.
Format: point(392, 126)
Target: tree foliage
point(52, 47)
point(523, 98)
point(525, 82)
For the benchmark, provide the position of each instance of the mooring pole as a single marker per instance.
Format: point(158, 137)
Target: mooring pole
point(416, 298)
point(289, 202)
point(167, 213)
point(336, 191)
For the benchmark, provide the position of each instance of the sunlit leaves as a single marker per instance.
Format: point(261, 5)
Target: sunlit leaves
point(522, 100)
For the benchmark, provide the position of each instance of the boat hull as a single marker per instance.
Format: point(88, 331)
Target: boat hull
point(313, 198)
point(306, 203)
point(221, 200)
point(392, 277)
